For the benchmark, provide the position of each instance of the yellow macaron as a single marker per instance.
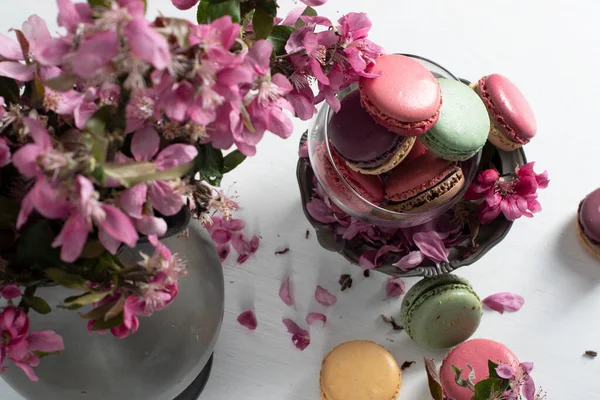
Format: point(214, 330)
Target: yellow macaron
point(360, 370)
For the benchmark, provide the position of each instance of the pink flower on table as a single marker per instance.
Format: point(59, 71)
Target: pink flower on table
point(314, 3)
point(114, 227)
point(184, 4)
point(227, 232)
point(248, 320)
point(394, 287)
point(19, 345)
point(300, 337)
point(163, 196)
point(10, 292)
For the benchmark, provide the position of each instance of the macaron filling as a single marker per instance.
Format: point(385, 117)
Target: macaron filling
point(495, 115)
point(378, 161)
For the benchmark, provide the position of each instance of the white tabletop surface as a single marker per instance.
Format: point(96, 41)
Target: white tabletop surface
point(551, 50)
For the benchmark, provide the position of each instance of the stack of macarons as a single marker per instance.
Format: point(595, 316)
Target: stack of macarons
point(399, 139)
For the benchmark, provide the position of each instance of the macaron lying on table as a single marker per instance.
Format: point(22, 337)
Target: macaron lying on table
point(513, 122)
point(588, 222)
point(406, 98)
point(441, 312)
point(360, 370)
point(463, 126)
point(366, 146)
point(476, 353)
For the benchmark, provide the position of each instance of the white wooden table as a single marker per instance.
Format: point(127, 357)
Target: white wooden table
point(552, 51)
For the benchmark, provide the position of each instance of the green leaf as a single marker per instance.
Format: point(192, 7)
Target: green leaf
point(308, 12)
point(95, 132)
point(62, 83)
point(98, 3)
point(101, 325)
point(486, 389)
point(98, 312)
point(202, 12)
point(128, 172)
point(232, 160)
point(9, 89)
point(262, 23)
point(85, 299)
point(23, 43)
point(35, 246)
point(116, 309)
point(43, 354)
point(216, 10)
point(37, 304)
point(92, 249)
point(8, 215)
point(210, 164)
point(65, 279)
point(38, 92)
point(435, 386)
point(279, 37)
point(492, 369)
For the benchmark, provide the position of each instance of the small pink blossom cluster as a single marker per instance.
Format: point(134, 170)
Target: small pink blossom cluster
point(17, 344)
point(514, 195)
point(521, 382)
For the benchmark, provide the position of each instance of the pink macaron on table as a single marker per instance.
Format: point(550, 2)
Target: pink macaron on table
point(348, 188)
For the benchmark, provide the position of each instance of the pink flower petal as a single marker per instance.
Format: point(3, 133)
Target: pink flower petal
point(367, 260)
point(293, 16)
point(221, 236)
point(505, 371)
point(319, 211)
point(132, 200)
point(72, 238)
point(410, 261)
point(529, 389)
point(248, 319)
point(45, 341)
point(233, 224)
point(144, 144)
point(164, 198)
point(324, 297)
point(504, 301)
point(148, 225)
point(300, 337)
point(10, 49)
point(50, 52)
point(184, 4)
point(285, 293)
point(147, 44)
point(314, 3)
point(431, 246)
point(71, 15)
point(394, 287)
point(16, 70)
point(95, 53)
point(35, 28)
point(83, 113)
point(10, 292)
point(47, 201)
point(223, 251)
point(383, 250)
point(174, 155)
point(313, 317)
point(527, 367)
point(118, 225)
point(254, 243)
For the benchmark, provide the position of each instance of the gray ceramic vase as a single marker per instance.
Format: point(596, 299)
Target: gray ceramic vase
point(168, 358)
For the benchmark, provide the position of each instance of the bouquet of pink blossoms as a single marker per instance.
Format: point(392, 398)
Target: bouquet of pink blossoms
point(119, 122)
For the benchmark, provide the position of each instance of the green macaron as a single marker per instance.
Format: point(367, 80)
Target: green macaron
point(441, 312)
point(463, 126)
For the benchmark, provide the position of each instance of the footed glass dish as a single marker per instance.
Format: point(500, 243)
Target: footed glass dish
point(348, 199)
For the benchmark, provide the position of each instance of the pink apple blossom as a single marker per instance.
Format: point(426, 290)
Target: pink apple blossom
point(114, 227)
point(147, 44)
point(70, 15)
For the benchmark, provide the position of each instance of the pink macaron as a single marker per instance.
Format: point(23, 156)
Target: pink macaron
point(369, 187)
point(405, 98)
point(513, 121)
point(477, 353)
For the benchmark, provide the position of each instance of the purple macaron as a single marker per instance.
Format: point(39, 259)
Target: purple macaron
point(366, 146)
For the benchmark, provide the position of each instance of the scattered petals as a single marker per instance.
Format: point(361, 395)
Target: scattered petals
point(431, 246)
point(248, 320)
point(410, 261)
point(367, 260)
point(314, 3)
point(394, 287)
point(313, 317)
point(10, 292)
point(300, 337)
point(324, 297)
point(504, 301)
point(285, 293)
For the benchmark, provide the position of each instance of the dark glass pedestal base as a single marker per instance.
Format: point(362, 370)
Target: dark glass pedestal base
point(195, 389)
